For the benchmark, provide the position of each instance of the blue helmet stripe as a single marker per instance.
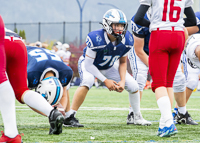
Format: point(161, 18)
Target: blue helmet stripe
point(122, 20)
point(57, 91)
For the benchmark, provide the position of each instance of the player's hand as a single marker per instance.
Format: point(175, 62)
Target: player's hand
point(111, 84)
point(120, 86)
point(60, 108)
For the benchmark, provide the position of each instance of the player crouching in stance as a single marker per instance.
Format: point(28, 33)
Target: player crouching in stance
point(49, 75)
point(16, 58)
point(104, 48)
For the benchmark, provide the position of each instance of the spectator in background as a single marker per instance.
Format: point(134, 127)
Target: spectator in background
point(38, 44)
point(55, 46)
point(66, 59)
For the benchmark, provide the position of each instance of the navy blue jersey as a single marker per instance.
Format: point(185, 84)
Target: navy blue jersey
point(11, 33)
point(107, 53)
point(40, 61)
point(141, 32)
point(197, 14)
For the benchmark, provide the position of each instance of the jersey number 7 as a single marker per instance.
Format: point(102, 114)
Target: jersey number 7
point(171, 11)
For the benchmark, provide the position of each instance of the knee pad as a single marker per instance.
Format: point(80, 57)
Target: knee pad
point(141, 80)
point(88, 82)
point(179, 83)
point(192, 83)
point(131, 86)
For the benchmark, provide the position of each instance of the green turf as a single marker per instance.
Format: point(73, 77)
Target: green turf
point(107, 125)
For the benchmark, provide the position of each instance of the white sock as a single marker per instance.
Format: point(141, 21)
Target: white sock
point(7, 107)
point(134, 99)
point(165, 110)
point(182, 110)
point(96, 84)
point(130, 110)
point(70, 112)
point(36, 101)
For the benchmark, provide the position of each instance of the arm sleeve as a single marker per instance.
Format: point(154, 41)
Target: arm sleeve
point(139, 17)
point(191, 18)
point(90, 67)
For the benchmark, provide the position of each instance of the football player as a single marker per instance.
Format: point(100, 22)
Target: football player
point(43, 64)
point(65, 48)
point(165, 48)
point(190, 70)
point(7, 98)
point(16, 58)
point(140, 69)
point(104, 47)
point(193, 50)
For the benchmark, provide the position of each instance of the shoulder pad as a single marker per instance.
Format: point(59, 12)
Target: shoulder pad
point(96, 39)
point(129, 39)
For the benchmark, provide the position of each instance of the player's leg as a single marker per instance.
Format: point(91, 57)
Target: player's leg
point(17, 72)
point(179, 92)
point(183, 115)
point(7, 97)
point(192, 80)
point(158, 66)
point(132, 87)
point(96, 83)
point(139, 70)
point(87, 81)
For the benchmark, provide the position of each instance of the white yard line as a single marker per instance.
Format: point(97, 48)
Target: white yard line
point(103, 108)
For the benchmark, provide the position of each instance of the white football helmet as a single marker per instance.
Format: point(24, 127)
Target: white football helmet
point(51, 89)
point(58, 45)
point(65, 46)
point(114, 16)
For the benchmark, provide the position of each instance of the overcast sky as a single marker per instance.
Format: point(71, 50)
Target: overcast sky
point(61, 10)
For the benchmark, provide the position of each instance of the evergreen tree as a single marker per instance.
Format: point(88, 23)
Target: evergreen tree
point(15, 30)
point(22, 34)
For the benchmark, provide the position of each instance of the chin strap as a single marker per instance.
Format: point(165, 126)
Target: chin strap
point(118, 39)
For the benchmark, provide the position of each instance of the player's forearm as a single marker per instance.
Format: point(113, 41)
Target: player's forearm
point(192, 30)
point(63, 100)
point(122, 71)
point(143, 57)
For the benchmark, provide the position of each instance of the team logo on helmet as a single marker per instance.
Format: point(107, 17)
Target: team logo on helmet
point(109, 14)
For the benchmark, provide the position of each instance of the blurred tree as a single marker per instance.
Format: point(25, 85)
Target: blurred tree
point(22, 34)
point(15, 30)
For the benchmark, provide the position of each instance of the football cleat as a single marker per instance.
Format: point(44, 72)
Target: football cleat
point(5, 139)
point(71, 121)
point(185, 119)
point(56, 121)
point(167, 131)
point(139, 120)
point(174, 114)
point(130, 118)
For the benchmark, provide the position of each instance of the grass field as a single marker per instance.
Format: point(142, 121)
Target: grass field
point(104, 115)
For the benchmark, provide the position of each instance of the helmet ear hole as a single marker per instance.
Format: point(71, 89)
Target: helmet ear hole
point(52, 89)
